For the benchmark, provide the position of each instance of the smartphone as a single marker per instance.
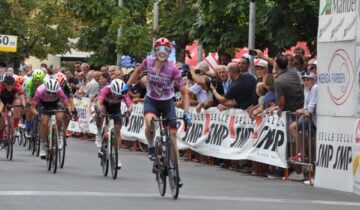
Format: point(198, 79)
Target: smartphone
point(252, 52)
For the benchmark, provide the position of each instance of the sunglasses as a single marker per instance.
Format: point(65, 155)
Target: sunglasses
point(163, 49)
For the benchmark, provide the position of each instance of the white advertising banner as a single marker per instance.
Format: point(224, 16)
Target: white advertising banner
point(336, 79)
point(230, 134)
point(356, 157)
point(82, 106)
point(334, 161)
point(337, 20)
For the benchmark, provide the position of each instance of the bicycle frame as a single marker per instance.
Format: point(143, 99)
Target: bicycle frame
point(167, 165)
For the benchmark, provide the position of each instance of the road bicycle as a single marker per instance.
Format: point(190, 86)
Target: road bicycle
point(166, 163)
point(109, 149)
point(8, 137)
point(52, 144)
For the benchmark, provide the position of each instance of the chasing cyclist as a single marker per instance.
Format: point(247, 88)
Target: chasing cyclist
point(48, 97)
point(163, 77)
point(37, 78)
point(11, 93)
point(109, 101)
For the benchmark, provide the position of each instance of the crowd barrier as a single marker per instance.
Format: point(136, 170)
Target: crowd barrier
point(229, 134)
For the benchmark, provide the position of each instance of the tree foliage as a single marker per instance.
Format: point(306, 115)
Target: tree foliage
point(279, 24)
point(100, 21)
point(43, 27)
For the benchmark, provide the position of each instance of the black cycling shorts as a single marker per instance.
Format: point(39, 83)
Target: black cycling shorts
point(49, 106)
point(114, 109)
point(165, 108)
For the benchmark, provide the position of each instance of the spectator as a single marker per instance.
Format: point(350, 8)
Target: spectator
point(290, 61)
point(97, 76)
point(269, 98)
point(119, 74)
point(199, 87)
point(300, 52)
point(223, 76)
point(259, 108)
point(241, 90)
point(306, 118)
point(104, 80)
point(288, 90)
point(260, 69)
point(77, 66)
point(112, 70)
point(92, 87)
point(244, 64)
point(312, 66)
point(138, 91)
point(84, 68)
point(104, 69)
point(74, 83)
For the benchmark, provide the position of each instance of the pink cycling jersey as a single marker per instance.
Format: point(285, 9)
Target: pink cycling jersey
point(161, 86)
point(41, 95)
point(106, 95)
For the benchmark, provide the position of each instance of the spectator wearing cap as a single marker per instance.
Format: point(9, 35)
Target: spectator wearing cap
point(241, 90)
point(306, 118)
point(198, 76)
point(312, 66)
point(261, 67)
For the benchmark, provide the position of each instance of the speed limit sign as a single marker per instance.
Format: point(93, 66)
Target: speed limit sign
point(8, 43)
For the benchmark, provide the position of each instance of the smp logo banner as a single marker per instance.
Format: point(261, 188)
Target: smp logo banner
point(339, 78)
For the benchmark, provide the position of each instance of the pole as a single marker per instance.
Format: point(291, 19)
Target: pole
point(252, 21)
point(118, 57)
point(200, 52)
point(156, 18)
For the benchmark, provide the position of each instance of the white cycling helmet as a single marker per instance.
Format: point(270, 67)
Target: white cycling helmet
point(116, 86)
point(52, 85)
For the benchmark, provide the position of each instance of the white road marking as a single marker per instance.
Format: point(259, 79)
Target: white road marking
point(189, 197)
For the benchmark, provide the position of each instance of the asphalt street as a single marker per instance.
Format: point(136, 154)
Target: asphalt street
point(25, 183)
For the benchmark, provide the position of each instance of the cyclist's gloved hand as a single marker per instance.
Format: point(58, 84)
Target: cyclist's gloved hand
point(187, 118)
point(125, 89)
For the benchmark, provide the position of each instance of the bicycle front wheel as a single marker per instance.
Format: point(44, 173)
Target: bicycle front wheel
point(104, 159)
point(62, 152)
point(159, 167)
point(173, 170)
point(53, 150)
point(113, 154)
point(11, 140)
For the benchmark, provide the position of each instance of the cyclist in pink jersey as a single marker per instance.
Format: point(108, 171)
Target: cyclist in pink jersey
point(163, 77)
point(109, 101)
point(48, 97)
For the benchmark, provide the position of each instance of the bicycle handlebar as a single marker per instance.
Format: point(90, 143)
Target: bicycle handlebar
point(166, 120)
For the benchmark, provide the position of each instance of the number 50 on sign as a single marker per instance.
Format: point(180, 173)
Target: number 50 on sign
point(8, 43)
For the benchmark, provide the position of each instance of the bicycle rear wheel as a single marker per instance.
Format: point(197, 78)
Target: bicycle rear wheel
point(160, 168)
point(113, 154)
point(173, 170)
point(103, 159)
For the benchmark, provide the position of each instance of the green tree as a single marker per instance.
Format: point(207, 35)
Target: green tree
point(279, 24)
point(100, 21)
point(43, 27)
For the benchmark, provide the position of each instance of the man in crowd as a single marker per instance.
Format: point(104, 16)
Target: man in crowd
point(240, 92)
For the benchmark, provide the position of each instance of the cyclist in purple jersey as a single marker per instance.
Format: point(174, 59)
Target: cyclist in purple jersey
point(163, 77)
